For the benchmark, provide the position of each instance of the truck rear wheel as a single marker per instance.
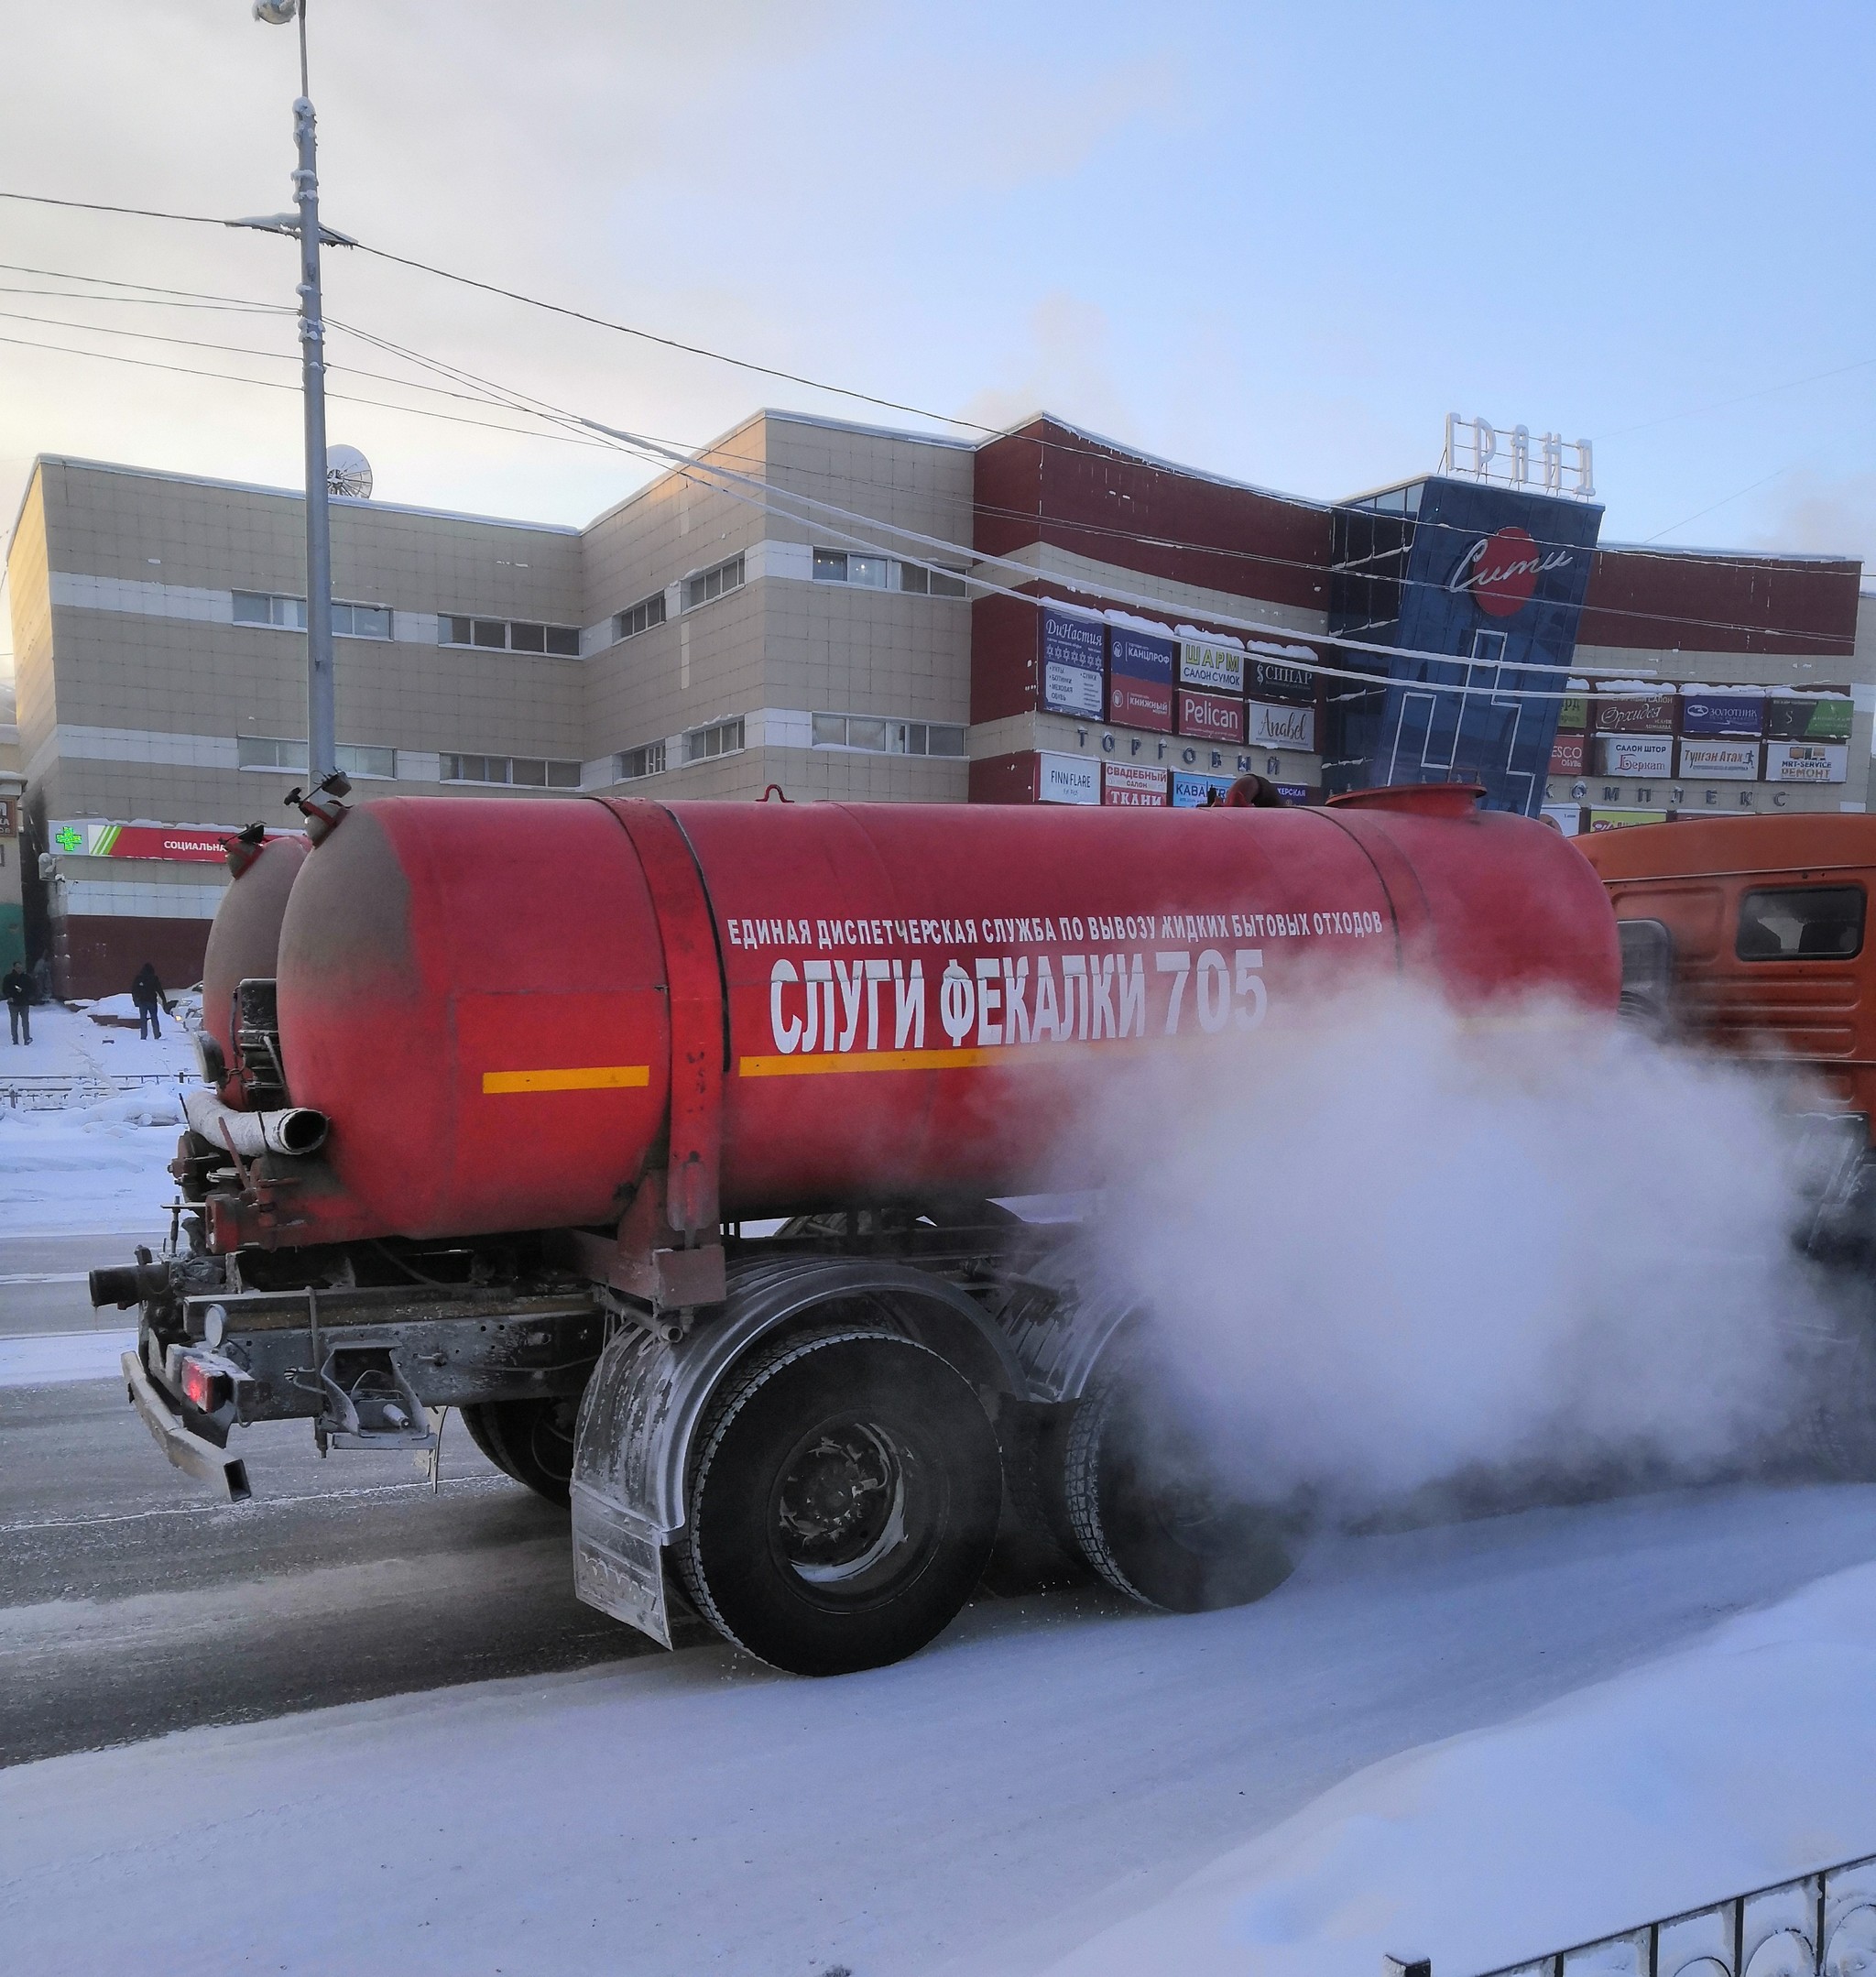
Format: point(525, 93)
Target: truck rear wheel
point(844, 1502)
point(1151, 1510)
point(529, 1440)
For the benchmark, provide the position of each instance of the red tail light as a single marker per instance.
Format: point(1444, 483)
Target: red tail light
point(203, 1387)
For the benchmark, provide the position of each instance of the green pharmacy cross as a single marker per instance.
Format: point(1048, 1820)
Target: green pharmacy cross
point(70, 839)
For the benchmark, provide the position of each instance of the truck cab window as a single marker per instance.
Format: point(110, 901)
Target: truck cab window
point(1648, 972)
point(1801, 924)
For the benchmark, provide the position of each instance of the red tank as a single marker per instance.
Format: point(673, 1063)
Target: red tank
point(243, 943)
point(513, 1012)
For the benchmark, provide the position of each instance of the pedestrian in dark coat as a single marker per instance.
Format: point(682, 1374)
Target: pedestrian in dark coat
point(146, 992)
point(18, 986)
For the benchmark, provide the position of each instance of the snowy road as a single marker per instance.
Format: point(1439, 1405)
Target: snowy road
point(131, 1603)
point(43, 1282)
point(1050, 1765)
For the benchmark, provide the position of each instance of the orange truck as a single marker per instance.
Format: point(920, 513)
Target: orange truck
point(1748, 935)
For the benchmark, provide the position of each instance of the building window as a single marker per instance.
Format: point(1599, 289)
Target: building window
point(521, 771)
point(258, 751)
point(637, 762)
point(562, 641)
point(505, 635)
point(712, 583)
point(886, 572)
point(877, 736)
point(262, 751)
point(643, 616)
point(366, 762)
point(361, 621)
point(258, 608)
point(721, 738)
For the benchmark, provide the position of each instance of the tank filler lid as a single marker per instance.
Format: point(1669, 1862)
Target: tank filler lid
point(1414, 799)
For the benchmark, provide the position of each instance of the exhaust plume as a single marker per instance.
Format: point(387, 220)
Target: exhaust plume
point(1386, 1245)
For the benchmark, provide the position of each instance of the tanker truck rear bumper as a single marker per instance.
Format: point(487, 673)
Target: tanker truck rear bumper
point(369, 1367)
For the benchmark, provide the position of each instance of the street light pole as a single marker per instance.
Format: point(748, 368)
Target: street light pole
point(321, 755)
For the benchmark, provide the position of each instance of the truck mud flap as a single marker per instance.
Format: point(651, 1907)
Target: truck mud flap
point(619, 1562)
point(189, 1453)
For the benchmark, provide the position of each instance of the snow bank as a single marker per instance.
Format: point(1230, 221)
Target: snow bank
point(1744, 1762)
point(102, 1169)
point(116, 1008)
point(60, 1359)
point(67, 1043)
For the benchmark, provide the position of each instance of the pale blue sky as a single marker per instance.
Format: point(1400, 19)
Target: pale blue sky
point(1275, 242)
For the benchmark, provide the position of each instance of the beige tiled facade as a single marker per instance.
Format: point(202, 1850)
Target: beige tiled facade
point(142, 697)
point(12, 789)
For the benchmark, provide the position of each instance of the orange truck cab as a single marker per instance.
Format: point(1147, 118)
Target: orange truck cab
point(1748, 934)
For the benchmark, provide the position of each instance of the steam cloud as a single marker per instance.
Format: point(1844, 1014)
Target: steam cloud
point(1387, 1246)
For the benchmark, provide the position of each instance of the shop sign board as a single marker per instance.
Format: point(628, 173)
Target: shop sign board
point(1723, 713)
point(1280, 727)
point(1567, 755)
point(1297, 793)
point(185, 844)
point(1634, 755)
point(1565, 817)
point(1212, 717)
point(1621, 820)
point(1573, 714)
point(1140, 679)
point(1073, 651)
point(1807, 761)
point(1067, 779)
point(1270, 679)
point(1190, 791)
point(1795, 718)
point(1133, 786)
point(1719, 761)
point(1140, 704)
point(9, 817)
point(1635, 713)
point(1217, 668)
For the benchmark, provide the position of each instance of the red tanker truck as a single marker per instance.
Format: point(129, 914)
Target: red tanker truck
point(493, 1093)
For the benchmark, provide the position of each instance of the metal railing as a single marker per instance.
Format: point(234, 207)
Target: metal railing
point(53, 1092)
point(1821, 1925)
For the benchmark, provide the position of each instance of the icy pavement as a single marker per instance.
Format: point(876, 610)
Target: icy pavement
point(58, 1358)
point(1052, 1768)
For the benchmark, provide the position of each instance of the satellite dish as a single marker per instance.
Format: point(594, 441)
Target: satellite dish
point(348, 473)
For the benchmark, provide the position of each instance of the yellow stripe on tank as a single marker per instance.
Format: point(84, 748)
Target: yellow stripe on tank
point(818, 1062)
point(583, 1077)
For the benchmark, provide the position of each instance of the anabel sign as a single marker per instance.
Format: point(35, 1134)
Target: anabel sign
point(1492, 575)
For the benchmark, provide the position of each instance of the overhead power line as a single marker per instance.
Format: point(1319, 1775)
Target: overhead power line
point(686, 459)
point(1097, 451)
point(273, 384)
point(534, 407)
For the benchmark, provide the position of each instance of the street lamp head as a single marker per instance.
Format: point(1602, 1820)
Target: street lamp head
point(275, 12)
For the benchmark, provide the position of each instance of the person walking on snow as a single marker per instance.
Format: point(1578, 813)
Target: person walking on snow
point(146, 992)
point(18, 987)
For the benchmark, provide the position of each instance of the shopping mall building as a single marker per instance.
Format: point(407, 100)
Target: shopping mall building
point(834, 611)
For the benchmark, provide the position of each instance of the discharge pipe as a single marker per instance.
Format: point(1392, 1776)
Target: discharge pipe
point(296, 1129)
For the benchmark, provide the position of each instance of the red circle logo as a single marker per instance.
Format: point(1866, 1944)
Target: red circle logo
point(1500, 571)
